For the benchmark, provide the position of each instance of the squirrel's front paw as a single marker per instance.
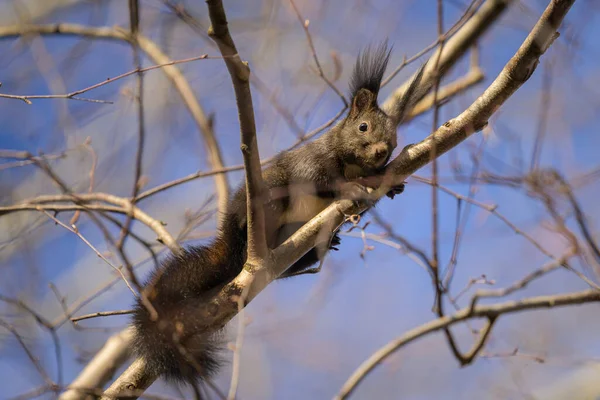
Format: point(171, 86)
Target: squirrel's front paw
point(356, 192)
point(395, 190)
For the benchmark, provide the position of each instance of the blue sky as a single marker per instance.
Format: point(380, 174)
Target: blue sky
point(309, 333)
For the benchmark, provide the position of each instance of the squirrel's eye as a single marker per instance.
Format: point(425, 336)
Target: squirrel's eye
point(363, 127)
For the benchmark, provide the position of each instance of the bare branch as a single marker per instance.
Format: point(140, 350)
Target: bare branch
point(447, 92)
point(240, 77)
point(237, 351)
point(123, 205)
point(170, 70)
point(101, 314)
point(454, 48)
point(488, 311)
point(30, 355)
point(305, 23)
point(75, 94)
point(45, 324)
point(102, 367)
point(74, 230)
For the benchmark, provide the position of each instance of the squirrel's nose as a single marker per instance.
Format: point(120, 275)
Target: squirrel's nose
point(381, 152)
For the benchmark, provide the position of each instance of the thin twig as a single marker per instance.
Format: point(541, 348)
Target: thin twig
point(45, 324)
point(75, 94)
point(168, 67)
point(30, 355)
point(305, 23)
point(91, 175)
point(461, 21)
point(83, 201)
point(543, 116)
point(100, 314)
point(74, 230)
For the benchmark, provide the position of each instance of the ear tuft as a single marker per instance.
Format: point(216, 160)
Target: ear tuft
point(369, 68)
point(412, 94)
point(362, 101)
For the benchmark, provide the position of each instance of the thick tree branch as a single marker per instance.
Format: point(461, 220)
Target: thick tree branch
point(240, 77)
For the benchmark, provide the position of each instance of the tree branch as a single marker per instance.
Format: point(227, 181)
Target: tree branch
point(240, 77)
point(40, 202)
point(171, 71)
point(453, 49)
point(102, 367)
point(488, 311)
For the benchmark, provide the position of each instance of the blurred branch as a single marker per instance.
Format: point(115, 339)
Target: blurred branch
point(172, 72)
point(567, 190)
point(30, 355)
point(235, 373)
point(492, 209)
point(544, 112)
point(305, 23)
point(91, 175)
point(520, 284)
point(454, 48)
point(435, 263)
point(102, 367)
point(40, 202)
point(74, 230)
point(45, 324)
point(491, 312)
point(75, 95)
point(448, 91)
point(134, 18)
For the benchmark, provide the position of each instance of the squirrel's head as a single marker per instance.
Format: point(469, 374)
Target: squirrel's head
point(367, 136)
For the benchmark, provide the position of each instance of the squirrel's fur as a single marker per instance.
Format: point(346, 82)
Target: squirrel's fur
point(301, 183)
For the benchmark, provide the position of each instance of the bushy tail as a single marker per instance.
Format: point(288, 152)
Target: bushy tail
point(177, 346)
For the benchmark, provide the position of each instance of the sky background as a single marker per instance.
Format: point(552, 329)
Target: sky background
point(307, 334)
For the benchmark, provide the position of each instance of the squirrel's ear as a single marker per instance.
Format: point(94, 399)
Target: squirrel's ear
point(362, 101)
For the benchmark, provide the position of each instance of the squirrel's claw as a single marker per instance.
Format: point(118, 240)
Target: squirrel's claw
point(395, 190)
point(335, 241)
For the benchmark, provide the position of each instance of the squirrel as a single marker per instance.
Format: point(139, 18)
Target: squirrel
point(301, 182)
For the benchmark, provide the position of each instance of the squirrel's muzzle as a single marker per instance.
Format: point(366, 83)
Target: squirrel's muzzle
point(379, 153)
